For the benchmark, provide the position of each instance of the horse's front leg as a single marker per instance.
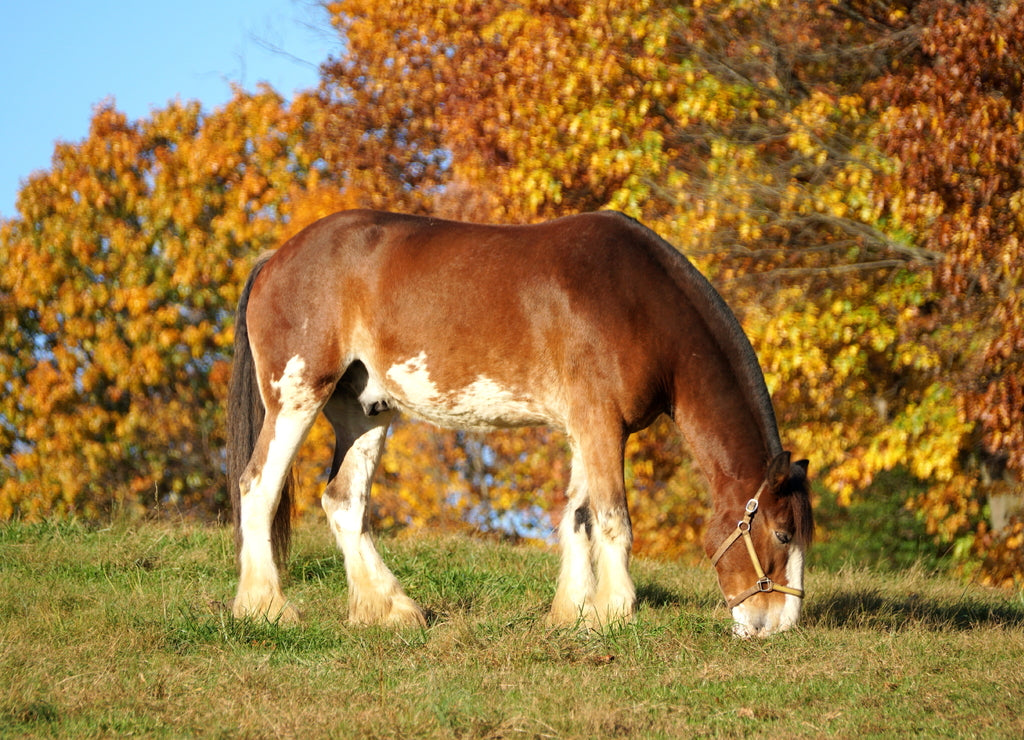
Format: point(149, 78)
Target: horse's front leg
point(574, 595)
point(374, 594)
point(596, 534)
point(612, 534)
point(615, 599)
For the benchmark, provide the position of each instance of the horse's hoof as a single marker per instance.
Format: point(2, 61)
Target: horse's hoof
point(278, 611)
point(397, 610)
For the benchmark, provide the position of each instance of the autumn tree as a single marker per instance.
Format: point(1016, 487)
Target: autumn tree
point(709, 121)
point(118, 285)
point(758, 137)
point(954, 121)
point(846, 171)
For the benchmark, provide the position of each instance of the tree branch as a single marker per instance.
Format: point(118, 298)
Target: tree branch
point(831, 270)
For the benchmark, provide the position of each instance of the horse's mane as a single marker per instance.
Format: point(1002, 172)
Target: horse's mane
point(725, 328)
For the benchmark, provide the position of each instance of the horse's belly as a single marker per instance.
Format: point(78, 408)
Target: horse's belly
point(482, 404)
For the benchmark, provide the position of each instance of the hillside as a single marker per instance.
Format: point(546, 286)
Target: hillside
point(125, 631)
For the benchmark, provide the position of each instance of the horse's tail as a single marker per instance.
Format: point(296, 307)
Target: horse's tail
point(245, 418)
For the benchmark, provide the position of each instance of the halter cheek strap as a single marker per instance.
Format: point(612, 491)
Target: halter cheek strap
point(764, 584)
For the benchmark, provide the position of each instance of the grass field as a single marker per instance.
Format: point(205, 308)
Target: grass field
point(124, 632)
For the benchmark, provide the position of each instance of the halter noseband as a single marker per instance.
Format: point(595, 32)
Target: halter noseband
point(764, 583)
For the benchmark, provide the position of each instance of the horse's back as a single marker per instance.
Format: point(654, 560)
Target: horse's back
point(481, 325)
point(598, 247)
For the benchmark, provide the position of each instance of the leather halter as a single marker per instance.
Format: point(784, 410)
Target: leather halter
point(764, 583)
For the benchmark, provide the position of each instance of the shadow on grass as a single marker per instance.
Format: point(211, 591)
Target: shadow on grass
point(457, 584)
point(655, 596)
point(867, 608)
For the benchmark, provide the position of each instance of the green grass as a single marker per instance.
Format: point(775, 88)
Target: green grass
point(125, 631)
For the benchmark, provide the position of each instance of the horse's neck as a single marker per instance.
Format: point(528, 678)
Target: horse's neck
point(729, 422)
point(725, 431)
point(733, 363)
point(734, 467)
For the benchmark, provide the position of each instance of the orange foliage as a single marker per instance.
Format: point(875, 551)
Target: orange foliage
point(129, 253)
point(848, 172)
point(768, 149)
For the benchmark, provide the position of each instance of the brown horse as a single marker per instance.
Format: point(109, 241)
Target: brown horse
point(591, 323)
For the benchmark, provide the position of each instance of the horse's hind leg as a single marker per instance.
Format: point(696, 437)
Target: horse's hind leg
point(374, 594)
point(284, 428)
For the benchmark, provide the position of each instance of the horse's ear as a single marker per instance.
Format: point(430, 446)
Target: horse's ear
point(778, 470)
point(803, 465)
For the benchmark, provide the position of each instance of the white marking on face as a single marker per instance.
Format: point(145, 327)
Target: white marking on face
point(750, 621)
point(795, 579)
point(746, 621)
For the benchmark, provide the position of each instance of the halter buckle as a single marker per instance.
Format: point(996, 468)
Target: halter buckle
point(751, 506)
point(765, 584)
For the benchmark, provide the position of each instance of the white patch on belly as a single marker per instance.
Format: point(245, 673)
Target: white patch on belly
point(483, 404)
point(413, 380)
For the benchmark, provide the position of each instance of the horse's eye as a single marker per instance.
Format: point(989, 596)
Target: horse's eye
point(783, 537)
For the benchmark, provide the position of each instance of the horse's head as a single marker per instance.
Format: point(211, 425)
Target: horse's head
point(759, 554)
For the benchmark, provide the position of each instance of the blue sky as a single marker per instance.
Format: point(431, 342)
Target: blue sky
point(58, 60)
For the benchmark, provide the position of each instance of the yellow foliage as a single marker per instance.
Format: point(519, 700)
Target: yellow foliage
point(129, 255)
point(816, 206)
